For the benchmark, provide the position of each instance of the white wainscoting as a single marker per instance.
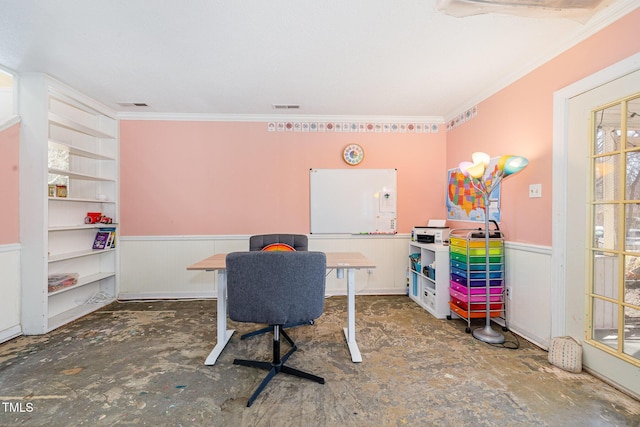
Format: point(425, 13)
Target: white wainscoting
point(155, 267)
point(10, 289)
point(528, 277)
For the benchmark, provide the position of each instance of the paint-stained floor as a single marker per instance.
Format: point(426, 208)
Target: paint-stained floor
point(141, 363)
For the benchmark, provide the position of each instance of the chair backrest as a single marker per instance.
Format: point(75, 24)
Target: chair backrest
point(299, 242)
point(275, 287)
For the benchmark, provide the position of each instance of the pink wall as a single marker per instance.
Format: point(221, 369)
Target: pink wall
point(9, 190)
point(207, 178)
point(201, 178)
point(519, 120)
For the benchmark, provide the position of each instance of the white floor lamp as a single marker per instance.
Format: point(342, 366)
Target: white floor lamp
point(485, 182)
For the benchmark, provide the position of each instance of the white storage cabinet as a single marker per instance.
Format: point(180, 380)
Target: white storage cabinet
point(430, 289)
point(57, 121)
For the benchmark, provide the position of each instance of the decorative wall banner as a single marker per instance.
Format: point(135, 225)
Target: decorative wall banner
point(352, 127)
point(462, 118)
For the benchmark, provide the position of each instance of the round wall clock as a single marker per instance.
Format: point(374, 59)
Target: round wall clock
point(353, 154)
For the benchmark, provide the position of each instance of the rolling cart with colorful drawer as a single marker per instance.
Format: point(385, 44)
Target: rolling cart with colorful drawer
point(469, 269)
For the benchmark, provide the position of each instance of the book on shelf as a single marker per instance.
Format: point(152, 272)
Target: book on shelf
point(111, 241)
point(105, 238)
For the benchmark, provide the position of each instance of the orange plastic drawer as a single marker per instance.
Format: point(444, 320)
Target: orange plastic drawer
point(473, 315)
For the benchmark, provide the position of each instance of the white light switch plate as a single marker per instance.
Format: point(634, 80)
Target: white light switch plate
point(535, 190)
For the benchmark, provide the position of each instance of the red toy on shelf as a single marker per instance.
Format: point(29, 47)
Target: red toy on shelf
point(97, 217)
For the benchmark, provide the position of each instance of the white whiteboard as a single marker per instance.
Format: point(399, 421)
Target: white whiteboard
point(354, 201)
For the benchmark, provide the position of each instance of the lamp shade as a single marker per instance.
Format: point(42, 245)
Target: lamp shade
point(502, 161)
point(514, 164)
point(464, 166)
point(480, 157)
point(476, 170)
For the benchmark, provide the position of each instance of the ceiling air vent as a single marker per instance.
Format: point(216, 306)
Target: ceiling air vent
point(132, 104)
point(285, 106)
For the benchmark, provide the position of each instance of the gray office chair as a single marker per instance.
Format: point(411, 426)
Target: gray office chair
point(299, 242)
point(276, 288)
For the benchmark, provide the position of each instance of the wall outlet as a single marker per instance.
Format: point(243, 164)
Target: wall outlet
point(508, 293)
point(535, 190)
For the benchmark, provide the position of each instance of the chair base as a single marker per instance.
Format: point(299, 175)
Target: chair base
point(276, 366)
point(269, 329)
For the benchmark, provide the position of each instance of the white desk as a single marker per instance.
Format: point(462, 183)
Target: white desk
point(340, 261)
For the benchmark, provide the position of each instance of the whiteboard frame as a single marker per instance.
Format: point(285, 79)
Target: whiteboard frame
point(353, 201)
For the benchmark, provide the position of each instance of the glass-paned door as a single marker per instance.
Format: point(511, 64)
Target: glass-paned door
point(614, 294)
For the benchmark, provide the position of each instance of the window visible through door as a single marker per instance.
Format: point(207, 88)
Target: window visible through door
point(613, 324)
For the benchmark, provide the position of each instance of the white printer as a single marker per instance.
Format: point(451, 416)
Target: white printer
point(434, 232)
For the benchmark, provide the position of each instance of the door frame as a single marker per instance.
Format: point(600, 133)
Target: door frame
point(560, 170)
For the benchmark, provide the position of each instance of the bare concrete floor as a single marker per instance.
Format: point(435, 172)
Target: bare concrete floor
point(142, 364)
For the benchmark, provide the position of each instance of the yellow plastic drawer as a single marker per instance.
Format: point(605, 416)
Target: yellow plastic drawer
point(475, 251)
point(463, 243)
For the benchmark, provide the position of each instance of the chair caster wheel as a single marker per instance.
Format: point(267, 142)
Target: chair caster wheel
point(448, 317)
point(467, 330)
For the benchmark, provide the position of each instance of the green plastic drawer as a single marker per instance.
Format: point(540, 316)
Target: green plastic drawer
point(475, 259)
point(476, 266)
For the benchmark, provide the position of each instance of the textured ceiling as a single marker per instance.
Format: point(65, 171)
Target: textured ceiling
point(333, 58)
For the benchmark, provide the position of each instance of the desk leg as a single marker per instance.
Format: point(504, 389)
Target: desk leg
point(224, 334)
point(350, 330)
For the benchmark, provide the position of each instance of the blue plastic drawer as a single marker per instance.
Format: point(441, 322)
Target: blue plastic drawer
point(476, 275)
point(474, 282)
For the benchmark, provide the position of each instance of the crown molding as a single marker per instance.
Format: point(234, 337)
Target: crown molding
point(267, 118)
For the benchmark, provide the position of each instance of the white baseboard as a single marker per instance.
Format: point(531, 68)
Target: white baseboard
point(145, 296)
point(131, 296)
point(333, 293)
point(10, 333)
point(540, 342)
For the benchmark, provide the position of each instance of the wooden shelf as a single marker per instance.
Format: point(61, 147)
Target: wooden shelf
point(78, 151)
point(82, 281)
point(88, 105)
point(58, 120)
point(84, 132)
point(72, 227)
point(78, 254)
point(430, 294)
point(81, 227)
point(76, 175)
point(79, 199)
